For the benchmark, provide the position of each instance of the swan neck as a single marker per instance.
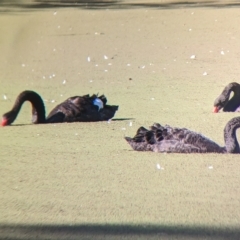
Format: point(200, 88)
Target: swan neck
point(233, 87)
point(38, 108)
point(230, 138)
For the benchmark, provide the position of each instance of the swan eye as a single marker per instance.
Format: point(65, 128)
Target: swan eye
point(98, 102)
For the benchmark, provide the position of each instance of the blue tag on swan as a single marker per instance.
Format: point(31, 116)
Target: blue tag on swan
point(98, 102)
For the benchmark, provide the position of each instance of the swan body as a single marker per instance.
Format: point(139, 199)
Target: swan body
point(223, 101)
point(181, 140)
point(74, 109)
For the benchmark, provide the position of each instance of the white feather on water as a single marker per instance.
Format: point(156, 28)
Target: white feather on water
point(159, 167)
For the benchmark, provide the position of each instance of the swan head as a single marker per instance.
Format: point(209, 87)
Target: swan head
point(8, 118)
point(216, 109)
point(222, 101)
point(219, 103)
point(4, 122)
point(98, 102)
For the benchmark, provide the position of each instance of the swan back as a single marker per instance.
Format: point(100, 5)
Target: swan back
point(170, 139)
point(82, 109)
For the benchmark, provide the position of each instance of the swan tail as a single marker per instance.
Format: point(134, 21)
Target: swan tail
point(108, 112)
point(138, 146)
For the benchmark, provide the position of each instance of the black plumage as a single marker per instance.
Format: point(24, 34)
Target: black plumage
point(181, 140)
point(74, 109)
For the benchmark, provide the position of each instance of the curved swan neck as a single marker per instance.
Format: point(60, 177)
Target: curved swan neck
point(234, 102)
point(230, 138)
point(235, 87)
point(38, 109)
point(231, 87)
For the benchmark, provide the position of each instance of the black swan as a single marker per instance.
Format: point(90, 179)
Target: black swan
point(181, 140)
point(75, 109)
point(223, 102)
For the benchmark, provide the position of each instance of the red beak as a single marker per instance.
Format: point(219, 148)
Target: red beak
point(215, 109)
point(4, 122)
